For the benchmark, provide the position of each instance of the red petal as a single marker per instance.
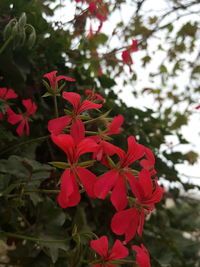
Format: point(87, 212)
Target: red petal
point(20, 128)
point(105, 183)
point(77, 130)
point(141, 222)
point(118, 251)
point(56, 126)
point(85, 146)
point(110, 149)
point(114, 127)
point(120, 221)
point(61, 77)
point(74, 99)
point(13, 118)
point(69, 195)
point(50, 75)
point(27, 128)
point(86, 104)
point(66, 143)
point(135, 151)
point(1, 115)
point(100, 246)
point(133, 47)
point(3, 93)
point(142, 256)
point(88, 180)
point(11, 94)
point(119, 197)
point(145, 183)
point(126, 57)
point(30, 106)
point(135, 185)
point(92, 6)
point(125, 222)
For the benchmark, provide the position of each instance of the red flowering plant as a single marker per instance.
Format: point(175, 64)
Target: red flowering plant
point(77, 134)
point(94, 168)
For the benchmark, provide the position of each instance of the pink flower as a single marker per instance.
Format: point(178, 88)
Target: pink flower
point(69, 195)
point(14, 118)
point(197, 107)
point(147, 193)
point(77, 130)
point(108, 257)
point(142, 256)
point(53, 79)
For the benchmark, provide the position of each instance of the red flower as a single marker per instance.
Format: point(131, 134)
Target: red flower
point(53, 79)
point(134, 47)
point(14, 118)
point(197, 107)
point(115, 179)
point(130, 221)
point(149, 162)
point(127, 59)
point(118, 251)
point(77, 129)
point(105, 148)
point(69, 195)
point(126, 54)
point(142, 256)
point(93, 96)
point(6, 94)
point(92, 7)
point(115, 126)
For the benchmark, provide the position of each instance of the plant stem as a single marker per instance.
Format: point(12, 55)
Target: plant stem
point(5, 44)
point(24, 143)
point(34, 239)
point(55, 106)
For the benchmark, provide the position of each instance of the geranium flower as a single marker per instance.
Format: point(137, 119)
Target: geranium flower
point(108, 257)
point(69, 195)
point(94, 97)
point(142, 256)
point(6, 94)
point(149, 162)
point(131, 220)
point(22, 119)
point(106, 148)
point(115, 179)
point(53, 79)
point(77, 129)
point(126, 54)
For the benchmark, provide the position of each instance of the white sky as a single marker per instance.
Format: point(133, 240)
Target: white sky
point(191, 132)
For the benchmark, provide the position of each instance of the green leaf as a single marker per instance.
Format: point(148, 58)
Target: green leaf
point(59, 164)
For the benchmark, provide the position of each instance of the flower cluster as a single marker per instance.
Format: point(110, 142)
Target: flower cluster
point(12, 117)
point(133, 193)
point(96, 9)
